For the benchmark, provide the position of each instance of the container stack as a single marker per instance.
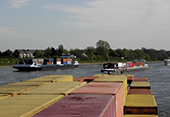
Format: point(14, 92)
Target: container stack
point(101, 95)
point(34, 95)
point(140, 101)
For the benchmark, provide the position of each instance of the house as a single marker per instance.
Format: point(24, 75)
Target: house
point(26, 53)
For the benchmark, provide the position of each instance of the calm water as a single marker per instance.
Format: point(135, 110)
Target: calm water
point(158, 75)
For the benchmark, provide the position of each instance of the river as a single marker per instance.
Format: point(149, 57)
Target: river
point(158, 75)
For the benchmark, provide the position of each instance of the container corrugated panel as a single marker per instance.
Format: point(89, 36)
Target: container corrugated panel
point(4, 96)
point(81, 105)
point(57, 88)
point(141, 79)
point(28, 83)
point(52, 78)
point(139, 91)
point(15, 90)
point(140, 104)
point(99, 88)
point(140, 85)
point(114, 78)
point(141, 116)
point(26, 105)
point(107, 88)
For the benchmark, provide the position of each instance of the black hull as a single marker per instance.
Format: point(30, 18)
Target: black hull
point(46, 67)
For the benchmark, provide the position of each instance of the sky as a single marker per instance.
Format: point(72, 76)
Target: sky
point(39, 24)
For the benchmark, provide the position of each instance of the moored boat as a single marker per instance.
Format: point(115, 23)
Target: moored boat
point(46, 64)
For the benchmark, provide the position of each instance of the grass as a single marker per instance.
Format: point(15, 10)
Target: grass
point(8, 61)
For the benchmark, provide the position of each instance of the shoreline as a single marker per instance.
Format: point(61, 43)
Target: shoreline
point(5, 66)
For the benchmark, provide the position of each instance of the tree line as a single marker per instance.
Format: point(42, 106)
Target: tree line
point(102, 52)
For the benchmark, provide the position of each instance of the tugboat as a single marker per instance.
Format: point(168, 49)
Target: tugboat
point(63, 62)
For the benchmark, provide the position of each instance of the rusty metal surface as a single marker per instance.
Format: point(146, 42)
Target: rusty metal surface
point(81, 105)
point(139, 91)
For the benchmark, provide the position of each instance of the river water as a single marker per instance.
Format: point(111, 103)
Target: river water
point(158, 75)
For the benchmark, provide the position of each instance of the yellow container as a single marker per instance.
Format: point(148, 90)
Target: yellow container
point(140, 85)
point(26, 105)
point(52, 78)
point(20, 87)
point(14, 90)
point(140, 104)
point(28, 84)
point(57, 88)
point(130, 75)
point(114, 78)
point(4, 96)
point(140, 115)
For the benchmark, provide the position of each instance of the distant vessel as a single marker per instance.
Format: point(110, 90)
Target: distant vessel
point(167, 61)
point(115, 67)
point(63, 62)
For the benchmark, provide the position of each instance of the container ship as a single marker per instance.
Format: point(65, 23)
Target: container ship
point(115, 67)
point(100, 95)
point(46, 64)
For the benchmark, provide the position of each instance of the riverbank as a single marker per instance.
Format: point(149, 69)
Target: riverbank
point(5, 66)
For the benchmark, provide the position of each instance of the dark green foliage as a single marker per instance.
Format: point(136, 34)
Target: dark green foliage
point(101, 53)
point(37, 53)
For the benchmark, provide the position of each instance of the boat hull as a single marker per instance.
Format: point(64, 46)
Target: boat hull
point(125, 68)
point(43, 67)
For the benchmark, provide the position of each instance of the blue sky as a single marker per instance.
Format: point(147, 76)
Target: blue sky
point(38, 24)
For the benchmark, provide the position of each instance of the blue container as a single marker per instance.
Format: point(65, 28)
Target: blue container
point(65, 63)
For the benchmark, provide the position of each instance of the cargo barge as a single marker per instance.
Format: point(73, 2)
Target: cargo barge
point(46, 64)
point(100, 95)
point(116, 67)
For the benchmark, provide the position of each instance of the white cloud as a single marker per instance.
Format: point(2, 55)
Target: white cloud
point(116, 15)
point(18, 3)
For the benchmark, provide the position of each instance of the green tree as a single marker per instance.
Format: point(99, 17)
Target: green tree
point(16, 53)
point(37, 53)
point(53, 51)
point(113, 54)
point(61, 50)
point(47, 52)
point(8, 53)
point(90, 52)
point(102, 49)
point(122, 53)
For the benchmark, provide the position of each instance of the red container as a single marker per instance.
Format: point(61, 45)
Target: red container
point(81, 105)
point(105, 88)
point(128, 89)
point(58, 59)
point(140, 79)
point(131, 64)
point(139, 91)
point(137, 63)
